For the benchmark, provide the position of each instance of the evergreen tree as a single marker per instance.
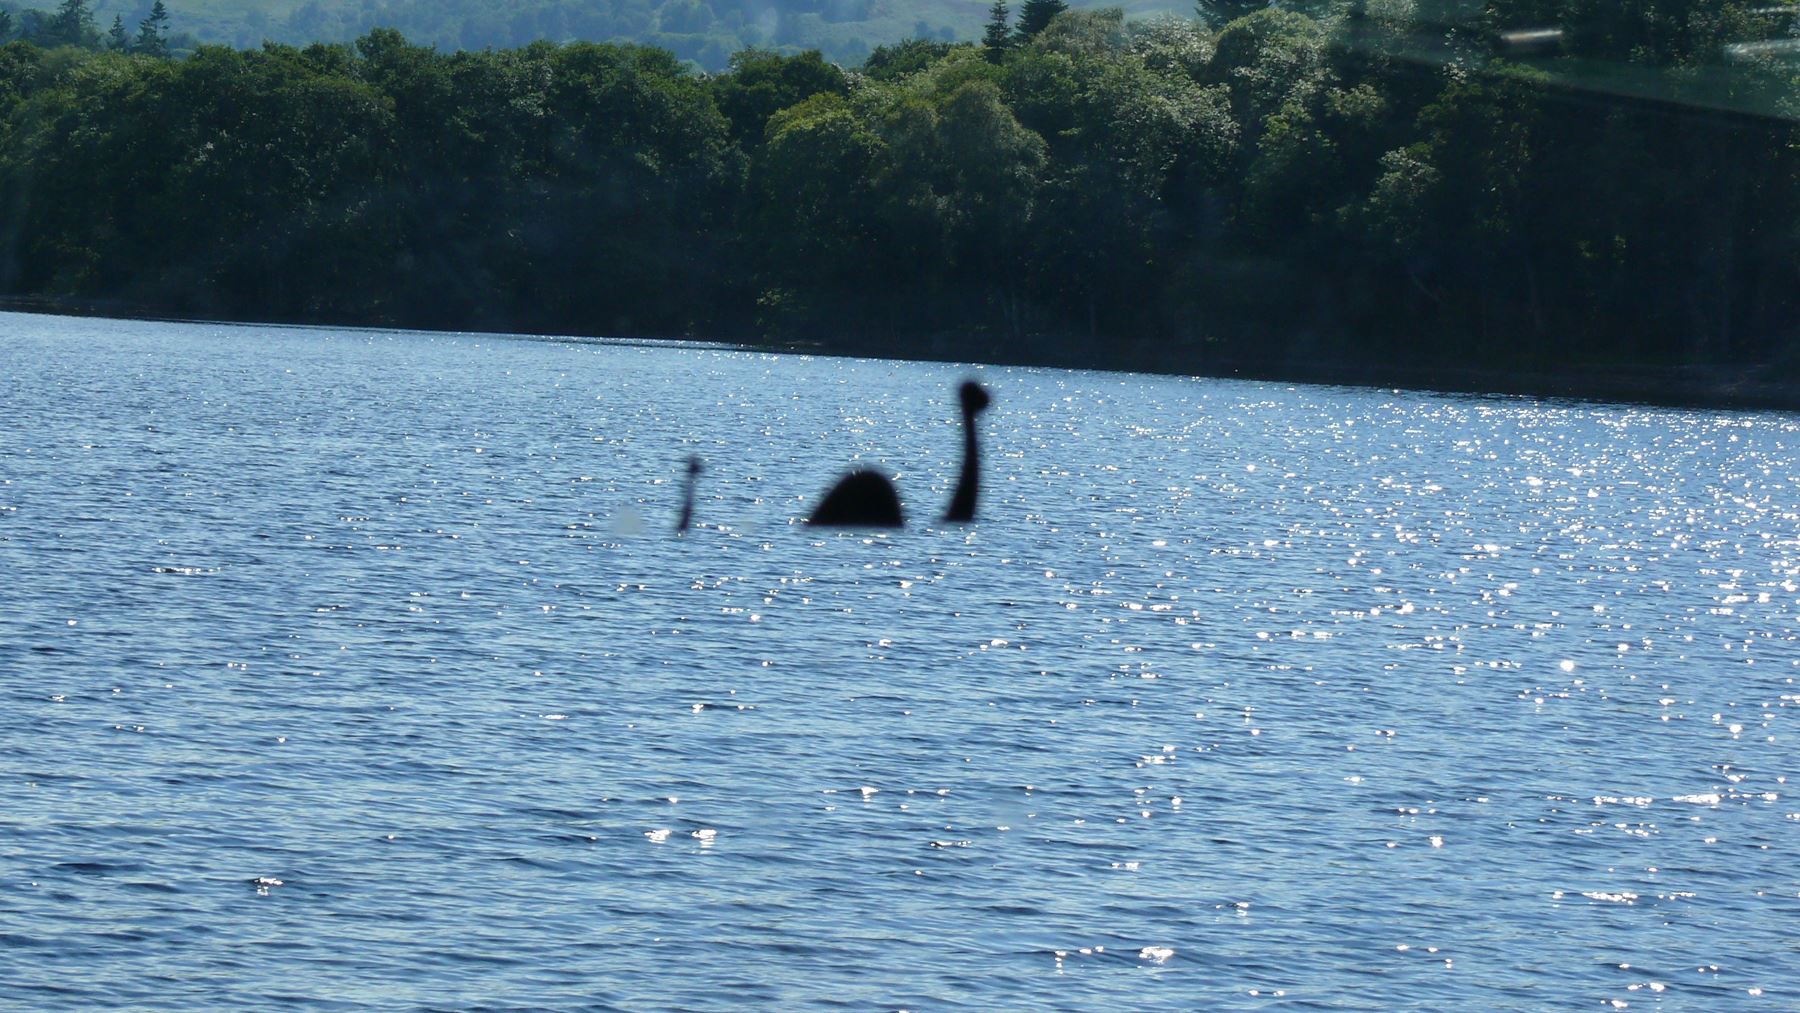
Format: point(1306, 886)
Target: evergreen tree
point(999, 36)
point(71, 25)
point(115, 37)
point(6, 24)
point(1035, 15)
point(1219, 13)
point(153, 31)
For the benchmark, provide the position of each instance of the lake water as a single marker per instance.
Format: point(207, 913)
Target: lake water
point(361, 670)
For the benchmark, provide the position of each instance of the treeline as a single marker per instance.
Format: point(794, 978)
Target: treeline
point(74, 23)
point(706, 32)
point(1543, 187)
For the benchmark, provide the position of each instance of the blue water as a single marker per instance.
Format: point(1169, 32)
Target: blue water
point(361, 670)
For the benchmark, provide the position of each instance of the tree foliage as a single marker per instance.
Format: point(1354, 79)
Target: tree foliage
point(1220, 13)
point(997, 39)
point(153, 31)
point(1036, 15)
point(762, 83)
point(71, 25)
point(1280, 190)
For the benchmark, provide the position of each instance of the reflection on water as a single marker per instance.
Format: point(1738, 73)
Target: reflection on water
point(361, 668)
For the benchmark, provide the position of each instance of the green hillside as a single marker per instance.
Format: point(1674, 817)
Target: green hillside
point(704, 31)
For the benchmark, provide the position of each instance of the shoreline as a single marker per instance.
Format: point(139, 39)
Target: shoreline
point(1720, 388)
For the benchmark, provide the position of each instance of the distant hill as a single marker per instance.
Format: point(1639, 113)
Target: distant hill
point(704, 31)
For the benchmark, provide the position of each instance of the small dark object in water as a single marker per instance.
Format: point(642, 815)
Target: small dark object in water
point(687, 501)
point(968, 485)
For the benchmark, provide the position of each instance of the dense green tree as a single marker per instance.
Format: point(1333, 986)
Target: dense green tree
point(995, 167)
point(998, 37)
point(887, 63)
point(1036, 15)
point(952, 200)
point(1169, 44)
point(1220, 13)
point(71, 25)
point(815, 215)
point(762, 83)
point(1269, 59)
point(153, 31)
point(1289, 194)
point(6, 25)
point(640, 162)
point(1117, 132)
point(1645, 31)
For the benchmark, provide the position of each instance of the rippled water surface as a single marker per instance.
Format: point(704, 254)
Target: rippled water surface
point(357, 670)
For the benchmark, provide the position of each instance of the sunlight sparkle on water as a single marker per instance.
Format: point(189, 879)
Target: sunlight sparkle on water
point(1519, 674)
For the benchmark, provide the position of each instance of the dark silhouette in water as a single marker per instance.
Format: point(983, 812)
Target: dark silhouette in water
point(687, 499)
point(968, 484)
point(863, 499)
point(866, 499)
